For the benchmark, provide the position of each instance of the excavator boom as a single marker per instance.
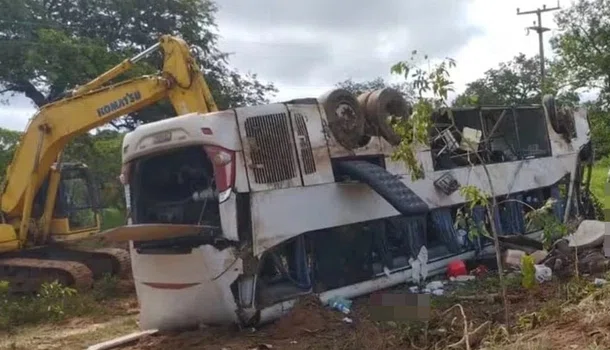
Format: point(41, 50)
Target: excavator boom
point(57, 123)
point(36, 171)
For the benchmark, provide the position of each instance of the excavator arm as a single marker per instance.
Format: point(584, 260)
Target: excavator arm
point(85, 108)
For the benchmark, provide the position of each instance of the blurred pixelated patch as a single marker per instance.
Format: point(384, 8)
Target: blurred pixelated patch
point(399, 306)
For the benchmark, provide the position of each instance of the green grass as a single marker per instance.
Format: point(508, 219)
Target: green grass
point(599, 187)
point(54, 303)
point(68, 336)
point(112, 217)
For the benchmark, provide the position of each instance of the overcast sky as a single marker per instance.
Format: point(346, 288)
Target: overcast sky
point(305, 47)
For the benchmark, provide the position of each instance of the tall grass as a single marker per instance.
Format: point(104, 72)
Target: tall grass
point(599, 187)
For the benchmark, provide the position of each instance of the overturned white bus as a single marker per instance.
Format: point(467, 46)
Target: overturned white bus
point(235, 214)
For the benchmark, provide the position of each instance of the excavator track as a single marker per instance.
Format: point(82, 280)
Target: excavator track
point(26, 275)
point(74, 267)
point(113, 261)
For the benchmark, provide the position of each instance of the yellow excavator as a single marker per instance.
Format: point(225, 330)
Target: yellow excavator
point(46, 205)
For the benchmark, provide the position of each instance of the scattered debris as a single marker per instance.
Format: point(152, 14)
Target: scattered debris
point(539, 256)
point(463, 278)
point(520, 242)
point(347, 320)
point(310, 319)
point(479, 271)
point(512, 257)
point(456, 268)
point(434, 285)
point(588, 248)
point(543, 273)
point(589, 234)
point(584, 249)
point(419, 266)
point(593, 262)
point(117, 342)
point(340, 304)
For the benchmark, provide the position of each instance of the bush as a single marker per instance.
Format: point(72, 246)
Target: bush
point(603, 162)
point(106, 287)
point(112, 217)
point(53, 303)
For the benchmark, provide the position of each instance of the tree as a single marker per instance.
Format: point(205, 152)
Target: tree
point(8, 141)
point(358, 88)
point(600, 128)
point(51, 46)
point(583, 44)
point(516, 82)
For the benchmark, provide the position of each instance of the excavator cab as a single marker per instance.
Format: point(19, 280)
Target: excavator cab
point(77, 208)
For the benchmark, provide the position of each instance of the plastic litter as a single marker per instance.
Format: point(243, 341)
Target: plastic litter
point(599, 282)
point(543, 273)
point(340, 304)
point(462, 278)
point(434, 288)
point(419, 266)
point(435, 285)
point(456, 268)
point(438, 292)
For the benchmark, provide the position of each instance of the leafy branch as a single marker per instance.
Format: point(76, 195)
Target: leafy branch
point(414, 131)
point(464, 219)
point(543, 218)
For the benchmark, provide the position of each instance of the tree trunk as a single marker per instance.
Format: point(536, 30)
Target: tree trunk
point(31, 92)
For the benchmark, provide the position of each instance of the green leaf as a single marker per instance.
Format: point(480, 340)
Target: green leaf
point(528, 272)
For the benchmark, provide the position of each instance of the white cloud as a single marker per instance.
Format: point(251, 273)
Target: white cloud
point(320, 43)
point(15, 118)
point(16, 113)
point(505, 36)
point(306, 47)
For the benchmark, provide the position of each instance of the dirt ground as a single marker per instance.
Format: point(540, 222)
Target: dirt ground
point(555, 315)
point(311, 326)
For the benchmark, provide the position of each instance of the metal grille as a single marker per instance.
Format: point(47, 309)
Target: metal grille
point(309, 165)
point(271, 150)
